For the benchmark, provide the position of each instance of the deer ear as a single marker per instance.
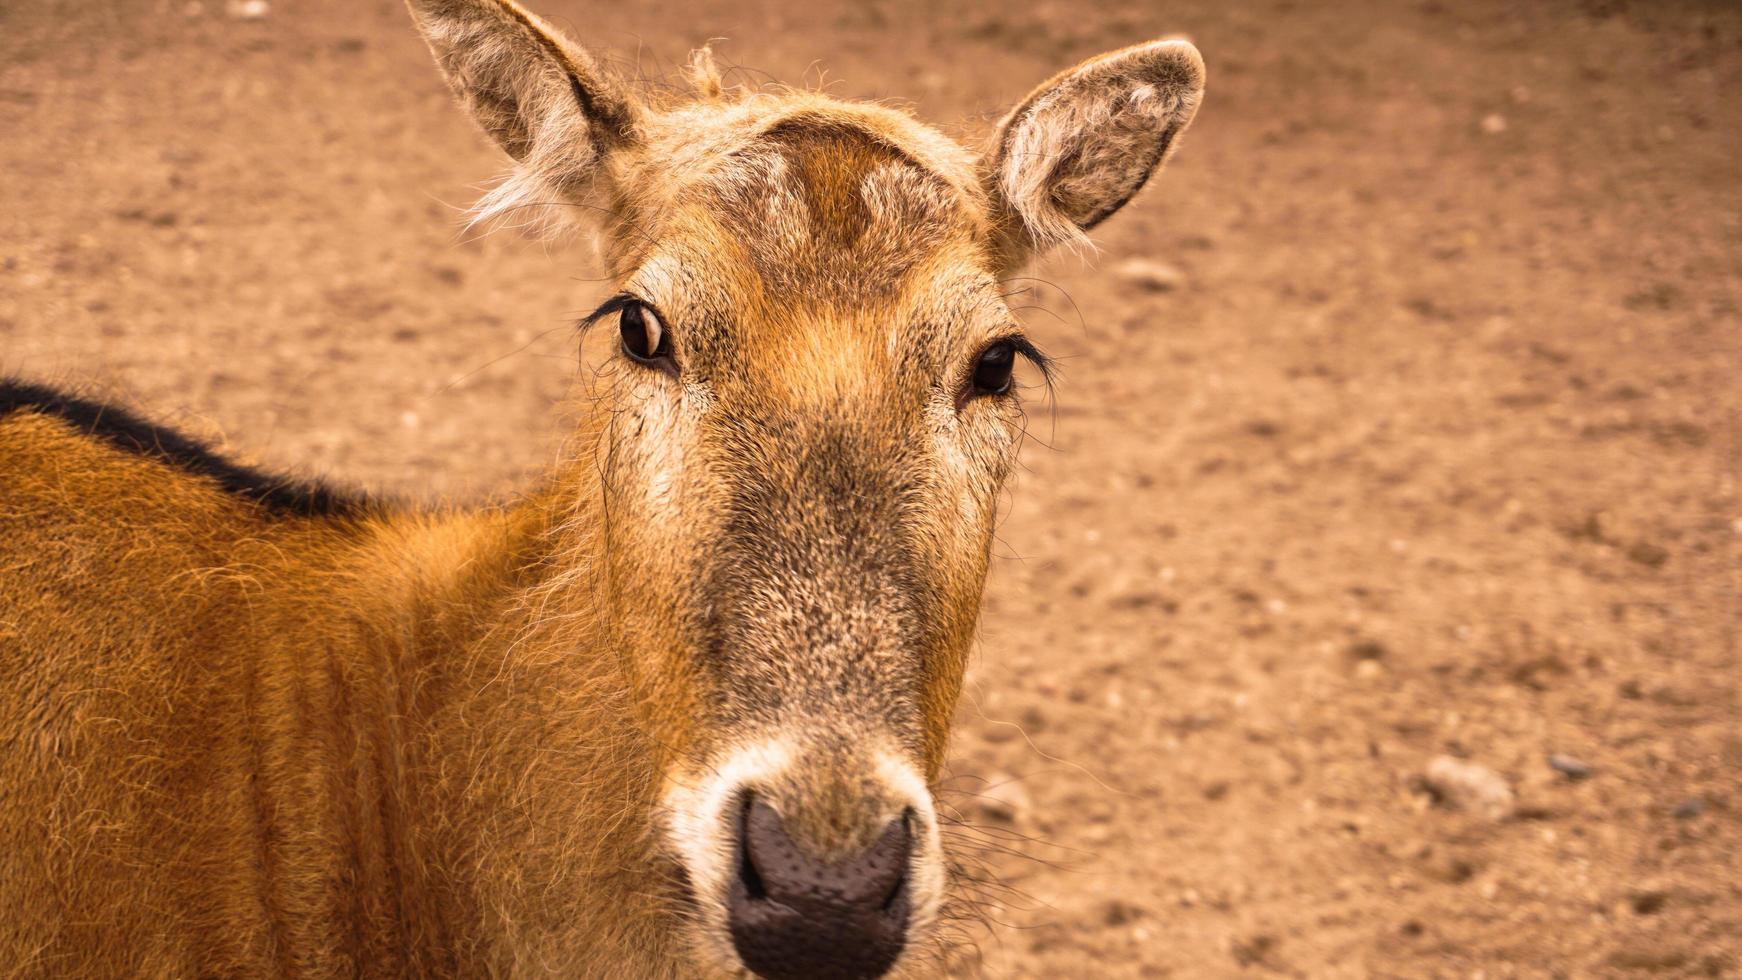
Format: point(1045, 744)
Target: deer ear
point(1084, 143)
point(539, 96)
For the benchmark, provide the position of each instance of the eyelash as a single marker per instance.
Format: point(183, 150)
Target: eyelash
point(613, 305)
point(623, 304)
point(1019, 346)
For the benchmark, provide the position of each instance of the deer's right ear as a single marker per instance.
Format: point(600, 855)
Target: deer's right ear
point(541, 97)
point(1085, 142)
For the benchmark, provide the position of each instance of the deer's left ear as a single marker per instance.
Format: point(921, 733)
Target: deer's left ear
point(1085, 142)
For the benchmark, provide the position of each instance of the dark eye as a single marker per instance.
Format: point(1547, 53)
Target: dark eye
point(993, 369)
point(644, 336)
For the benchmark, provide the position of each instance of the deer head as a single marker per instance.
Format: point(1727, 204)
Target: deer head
point(810, 417)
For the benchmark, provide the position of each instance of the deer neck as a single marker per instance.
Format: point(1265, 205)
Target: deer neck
point(531, 782)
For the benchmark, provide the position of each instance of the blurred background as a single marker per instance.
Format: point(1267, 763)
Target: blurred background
point(1369, 603)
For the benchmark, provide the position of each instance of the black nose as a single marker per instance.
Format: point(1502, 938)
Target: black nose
point(794, 917)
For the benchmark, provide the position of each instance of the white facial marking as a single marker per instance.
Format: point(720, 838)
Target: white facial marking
point(698, 828)
point(926, 868)
point(697, 813)
point(704, 834)
point(660, 448)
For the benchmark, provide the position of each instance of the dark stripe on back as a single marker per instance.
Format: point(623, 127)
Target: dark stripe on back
point(132, 434)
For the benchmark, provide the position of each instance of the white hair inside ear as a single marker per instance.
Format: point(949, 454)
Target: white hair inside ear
point(1085, 142)
point(541, 97)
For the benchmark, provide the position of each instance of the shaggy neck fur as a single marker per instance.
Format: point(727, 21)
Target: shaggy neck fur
point(530, 787)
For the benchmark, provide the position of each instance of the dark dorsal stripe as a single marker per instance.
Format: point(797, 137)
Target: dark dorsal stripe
point(132, 434)
point(828, 162)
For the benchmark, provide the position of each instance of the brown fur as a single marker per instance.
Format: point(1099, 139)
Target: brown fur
point(384, 741)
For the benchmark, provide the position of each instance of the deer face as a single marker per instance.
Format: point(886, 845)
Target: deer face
point(811, 414)
point(814, 410)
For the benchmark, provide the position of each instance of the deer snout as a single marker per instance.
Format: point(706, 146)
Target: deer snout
point(792, 915)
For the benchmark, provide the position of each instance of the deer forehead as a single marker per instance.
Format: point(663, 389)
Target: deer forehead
point(812, 197)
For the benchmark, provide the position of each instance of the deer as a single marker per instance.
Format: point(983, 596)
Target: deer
point(681, 708)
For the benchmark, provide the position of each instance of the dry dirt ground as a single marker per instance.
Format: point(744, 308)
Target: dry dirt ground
point(1432, 449)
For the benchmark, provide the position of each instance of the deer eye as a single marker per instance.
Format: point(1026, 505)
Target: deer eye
point(644, 337)
point(993, 368)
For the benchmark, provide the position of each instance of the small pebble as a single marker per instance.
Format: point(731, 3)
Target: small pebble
point(1003, 799)
point(1649, 901)
point(1468, 786)
point(1118, 913)
point(1568, 766)
point(1689, 808)
point(1493, 124)
point(1157, 277)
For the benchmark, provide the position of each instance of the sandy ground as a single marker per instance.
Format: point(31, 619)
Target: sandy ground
point(1431, 449)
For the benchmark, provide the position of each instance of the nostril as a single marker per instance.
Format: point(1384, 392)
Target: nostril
point(896, 900)
point(793, 916)
point(747, 873)
point(897, 845)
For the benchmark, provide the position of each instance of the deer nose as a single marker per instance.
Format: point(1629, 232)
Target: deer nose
point(792, 916)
